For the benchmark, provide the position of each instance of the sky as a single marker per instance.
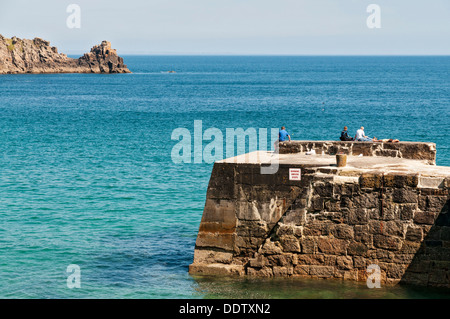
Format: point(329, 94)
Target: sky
point(236, 27)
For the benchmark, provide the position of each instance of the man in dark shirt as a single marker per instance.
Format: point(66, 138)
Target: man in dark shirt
point(345, 136)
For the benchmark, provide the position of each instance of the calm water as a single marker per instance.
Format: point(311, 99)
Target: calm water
point(86, 176)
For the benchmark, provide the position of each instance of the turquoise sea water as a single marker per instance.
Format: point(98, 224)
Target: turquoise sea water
point(86, 175)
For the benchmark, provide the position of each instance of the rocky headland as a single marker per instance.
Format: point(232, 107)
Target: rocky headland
point(38, 56)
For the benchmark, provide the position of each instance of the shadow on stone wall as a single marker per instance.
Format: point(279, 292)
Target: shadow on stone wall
point(431, 263)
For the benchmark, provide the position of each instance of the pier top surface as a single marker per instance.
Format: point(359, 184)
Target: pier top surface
point(359, 164)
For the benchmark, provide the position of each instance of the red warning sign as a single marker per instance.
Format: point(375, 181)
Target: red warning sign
point(295, 174)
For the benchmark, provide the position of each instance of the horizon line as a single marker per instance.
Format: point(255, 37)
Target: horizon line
point(278, 54)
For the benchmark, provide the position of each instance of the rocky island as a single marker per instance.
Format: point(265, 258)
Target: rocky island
point(37, 56)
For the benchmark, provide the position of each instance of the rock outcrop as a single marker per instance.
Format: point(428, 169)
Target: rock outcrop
point(37, 56)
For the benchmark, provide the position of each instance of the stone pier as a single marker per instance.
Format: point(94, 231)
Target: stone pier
point(388, 207)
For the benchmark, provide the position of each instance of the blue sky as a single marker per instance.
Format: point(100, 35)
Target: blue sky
point(292, 27)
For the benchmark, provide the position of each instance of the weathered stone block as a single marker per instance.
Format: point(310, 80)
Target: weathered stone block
point(357, 249)
point(422, 202)
point(357, 216)
point(290, 244)
point(221, 211)
point(400, 180)
point(439, 277)
point(367, 200)
point(332, 205)
point(258, 262)
point(217, 269)
point(434, 191)
point(332, 246)
point(351, 275)
point(431, 182)
point(404, 196)
point(323, 190)
point(360, 262)
point(362, 234)
point(433, 243)
point(407, 211)
point(387, 153)
point(283, 260)
point(445, 233)
point(342, 231)
point(252, 228)
point(436, 252)
point(285, 229)
point(403, 258)
point(346, 202)
point(321, 271)
point(374, 181)
point(311, 259)
point(387, 242)
point(329, 260)
point(395, 228)
point(384, 255)
point(376, 226)
point(427, 218)
point(216, 240)
point(308, 245)
point(344, 262)
point(443, 219)
point(317, 203)
point(432, 232)
point(395, 271)
point(259, 272)
point(437, 203)
point(282, 271)
point(244, 244)
point(295, 216)
point(247, 211)
point(317, 228)
point(221, 183)
point(345, 189)
point(390, 211)
point(271, 248)
point(208, 256)
point(410, 247)
point(301, 270)
point(328, 217)
point(414, 233)
point(415, 278)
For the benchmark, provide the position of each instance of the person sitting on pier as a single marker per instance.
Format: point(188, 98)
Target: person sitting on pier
point(361, 137)
point(388, 140)
point(283, 134)
point(345, 136)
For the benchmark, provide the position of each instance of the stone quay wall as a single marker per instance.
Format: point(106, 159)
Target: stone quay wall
point(407, 150)
point(333, 223)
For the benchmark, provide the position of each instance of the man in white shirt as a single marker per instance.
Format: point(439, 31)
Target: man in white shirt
point(361, 137)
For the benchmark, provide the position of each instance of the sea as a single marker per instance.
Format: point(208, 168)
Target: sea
point(93, 205)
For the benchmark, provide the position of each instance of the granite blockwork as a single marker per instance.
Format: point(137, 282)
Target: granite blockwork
point(333, 223)
point(407, 150)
